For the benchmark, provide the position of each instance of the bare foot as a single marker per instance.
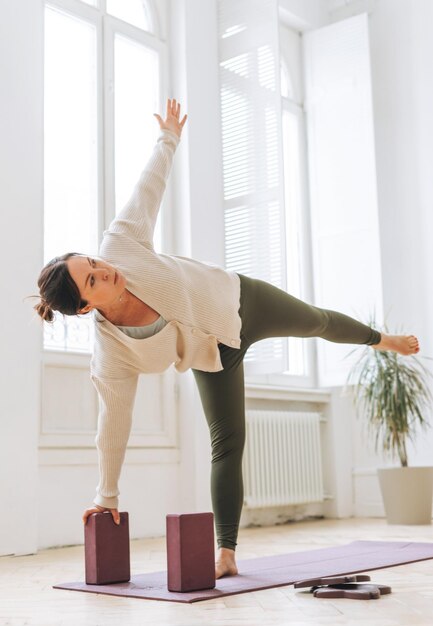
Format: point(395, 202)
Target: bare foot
point(403, 344)
point(225, 564)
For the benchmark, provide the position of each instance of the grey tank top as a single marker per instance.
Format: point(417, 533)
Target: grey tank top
point(142, 332)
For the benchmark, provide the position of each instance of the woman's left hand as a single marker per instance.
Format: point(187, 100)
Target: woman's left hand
point(172, 118)
point(100, 509)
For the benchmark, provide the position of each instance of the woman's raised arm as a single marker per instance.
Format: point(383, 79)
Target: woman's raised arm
point(138, 218)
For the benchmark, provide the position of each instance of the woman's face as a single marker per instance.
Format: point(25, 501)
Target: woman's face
point(100, 283)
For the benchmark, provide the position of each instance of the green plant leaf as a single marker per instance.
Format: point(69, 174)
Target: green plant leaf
point(392, 393)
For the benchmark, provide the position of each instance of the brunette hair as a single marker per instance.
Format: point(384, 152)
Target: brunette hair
point(58, 292)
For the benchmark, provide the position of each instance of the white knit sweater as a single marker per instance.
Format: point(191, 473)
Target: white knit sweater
point(199, 301)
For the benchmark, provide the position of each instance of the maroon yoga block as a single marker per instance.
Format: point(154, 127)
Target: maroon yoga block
point(190, 552)
point(106, 549)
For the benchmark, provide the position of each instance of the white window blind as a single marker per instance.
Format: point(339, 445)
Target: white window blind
point(345, 226)
point(252, 153)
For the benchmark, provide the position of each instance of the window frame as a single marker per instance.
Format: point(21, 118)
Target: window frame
point(309, 379)
point(141, 440)
point(106, 26)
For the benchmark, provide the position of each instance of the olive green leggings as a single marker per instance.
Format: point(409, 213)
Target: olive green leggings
point(265, 311)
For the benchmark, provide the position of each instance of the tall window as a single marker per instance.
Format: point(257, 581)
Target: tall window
point(264, 169)
point(104, 63)
point(251, 153)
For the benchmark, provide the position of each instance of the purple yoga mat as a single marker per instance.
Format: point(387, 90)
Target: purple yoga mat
point(273, 571)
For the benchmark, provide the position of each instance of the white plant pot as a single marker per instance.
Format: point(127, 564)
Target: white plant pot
point(407, 494)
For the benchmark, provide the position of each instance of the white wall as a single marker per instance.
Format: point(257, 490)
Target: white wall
point(401, 45)
point(20, 257)
point(402, 64)
point(401, 41)
point(402, 58)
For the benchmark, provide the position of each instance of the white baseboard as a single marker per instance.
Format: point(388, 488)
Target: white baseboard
point(271, 516)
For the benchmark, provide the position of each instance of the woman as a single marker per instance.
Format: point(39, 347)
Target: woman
point(152, 310)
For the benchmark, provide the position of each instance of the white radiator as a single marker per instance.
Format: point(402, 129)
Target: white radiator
point(282, 461)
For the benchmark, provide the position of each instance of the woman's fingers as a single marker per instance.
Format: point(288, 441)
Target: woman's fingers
point(173, 107)
point(172, 118)
point(88, 512)
point(114, 513)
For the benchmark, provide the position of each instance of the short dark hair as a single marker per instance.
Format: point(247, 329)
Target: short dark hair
point(57, 289)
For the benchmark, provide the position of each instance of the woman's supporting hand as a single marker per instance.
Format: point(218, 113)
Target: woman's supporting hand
point(172, 119)
point(100, 509)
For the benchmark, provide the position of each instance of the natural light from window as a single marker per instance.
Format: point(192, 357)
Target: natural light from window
point(70, 140)
point(70, 154)
point(136, 99)
point(99, 133)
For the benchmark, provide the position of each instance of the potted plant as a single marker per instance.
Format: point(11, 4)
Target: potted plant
point(392, 392)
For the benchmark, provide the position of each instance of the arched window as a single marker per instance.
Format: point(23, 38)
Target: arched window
point(104, 79)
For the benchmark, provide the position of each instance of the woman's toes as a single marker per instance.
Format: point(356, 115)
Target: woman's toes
point(413, 343)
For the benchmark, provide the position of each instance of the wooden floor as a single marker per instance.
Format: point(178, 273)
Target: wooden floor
point(27, 597)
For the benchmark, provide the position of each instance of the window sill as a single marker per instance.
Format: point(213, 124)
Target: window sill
point(274, 392)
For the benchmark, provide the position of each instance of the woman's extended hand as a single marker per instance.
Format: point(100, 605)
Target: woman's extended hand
point(172, 120)
point(100, 509)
